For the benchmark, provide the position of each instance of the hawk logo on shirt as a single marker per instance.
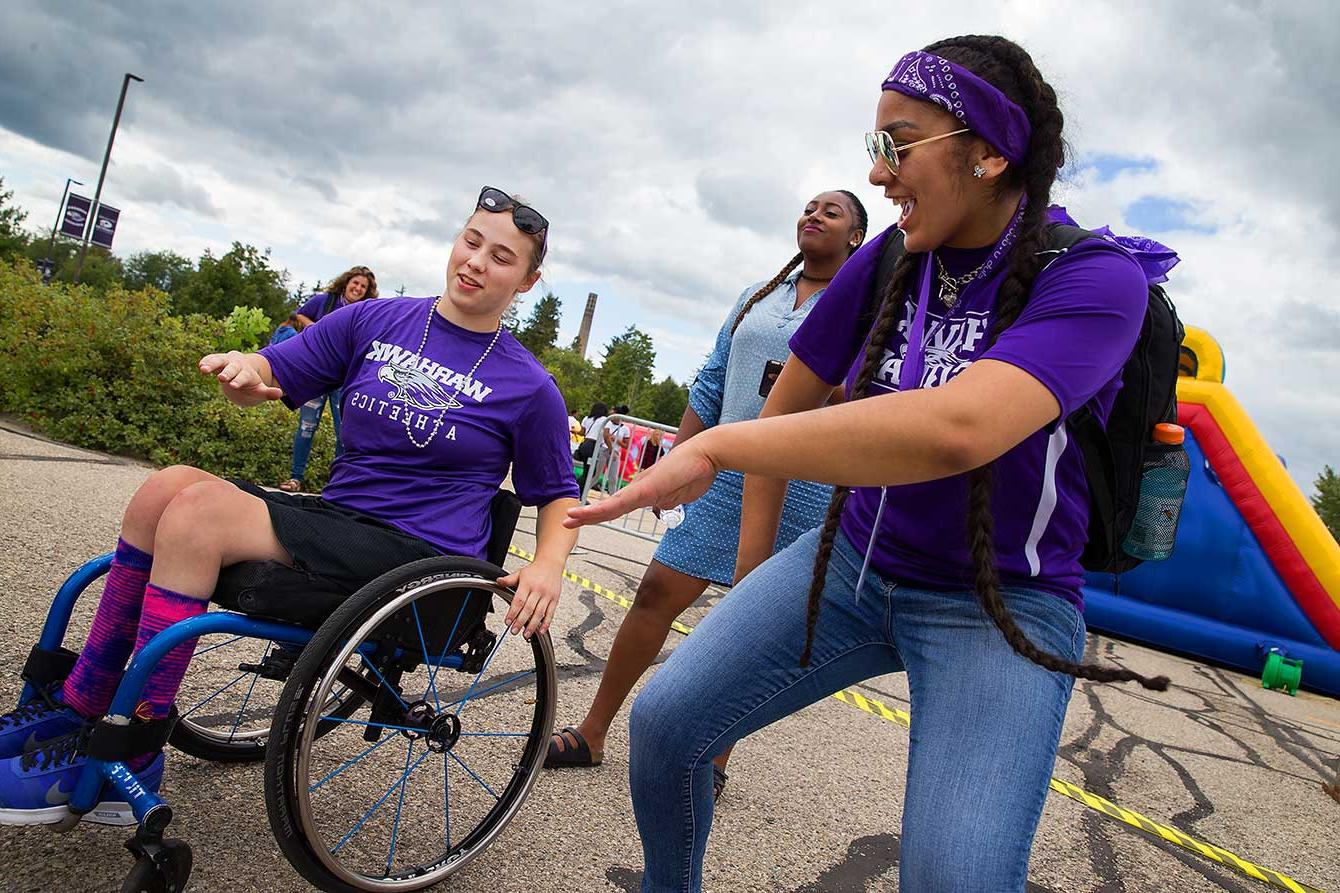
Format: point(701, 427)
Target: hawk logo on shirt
point(416, 388)
point(950, 348)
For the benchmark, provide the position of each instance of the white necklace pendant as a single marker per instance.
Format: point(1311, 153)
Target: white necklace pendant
point(469, 376)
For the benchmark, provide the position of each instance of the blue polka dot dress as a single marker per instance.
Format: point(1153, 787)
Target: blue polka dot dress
point(726, 390)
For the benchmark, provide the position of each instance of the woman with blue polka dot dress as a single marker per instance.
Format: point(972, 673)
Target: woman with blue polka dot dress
point(731, 387)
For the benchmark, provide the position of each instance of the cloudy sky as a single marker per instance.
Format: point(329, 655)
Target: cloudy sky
point(673, 144)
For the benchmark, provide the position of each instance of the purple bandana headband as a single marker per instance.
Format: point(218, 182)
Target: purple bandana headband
point(981, 107)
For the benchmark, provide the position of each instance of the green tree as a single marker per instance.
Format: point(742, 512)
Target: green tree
point(102, 269)
point(575, 376)
point(511, 318)
point(625, 371)
point(400, 292)
point(13, 238)
point(540, 331)
point(663, 402)
point(242, 277)
point(1327, 500)
point(164, 270)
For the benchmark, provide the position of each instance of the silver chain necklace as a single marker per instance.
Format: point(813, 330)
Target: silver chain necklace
point(469, 376)
point(950, 286)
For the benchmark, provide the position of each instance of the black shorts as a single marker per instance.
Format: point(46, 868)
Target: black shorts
point(337, 542)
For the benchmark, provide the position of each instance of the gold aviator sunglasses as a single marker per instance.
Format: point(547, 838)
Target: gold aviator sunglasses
point(880, 145)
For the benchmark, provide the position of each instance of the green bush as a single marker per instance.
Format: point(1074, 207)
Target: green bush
point(246, 328)
point(115, 371)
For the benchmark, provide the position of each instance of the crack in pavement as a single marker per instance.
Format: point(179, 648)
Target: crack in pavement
point(33, 457)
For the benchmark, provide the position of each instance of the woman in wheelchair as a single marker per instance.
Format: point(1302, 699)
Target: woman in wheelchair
point(439, 400)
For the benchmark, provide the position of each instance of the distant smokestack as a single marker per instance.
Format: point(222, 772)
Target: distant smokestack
point(584, 336)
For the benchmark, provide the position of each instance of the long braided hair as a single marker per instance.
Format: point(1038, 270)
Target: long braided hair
point(1009, 68)
point(862, 221)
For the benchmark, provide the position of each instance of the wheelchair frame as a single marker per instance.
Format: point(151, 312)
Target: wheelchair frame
point(166, 864)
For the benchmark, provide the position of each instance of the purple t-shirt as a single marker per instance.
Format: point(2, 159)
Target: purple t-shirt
point(315, 307)
point(509, 413)
point(1081, 321)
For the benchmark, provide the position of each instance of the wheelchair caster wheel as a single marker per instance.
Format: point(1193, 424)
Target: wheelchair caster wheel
point(163, 871)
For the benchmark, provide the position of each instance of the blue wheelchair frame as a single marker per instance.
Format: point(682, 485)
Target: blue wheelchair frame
point(143, 803)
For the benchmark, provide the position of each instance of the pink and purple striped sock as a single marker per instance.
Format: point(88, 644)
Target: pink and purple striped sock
point(93, 681)
point(162, 608)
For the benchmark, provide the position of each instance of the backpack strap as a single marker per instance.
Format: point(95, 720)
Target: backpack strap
point(331, 301)
point(890, 253)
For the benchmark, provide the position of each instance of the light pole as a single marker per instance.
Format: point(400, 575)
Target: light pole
point(102, 175)
point(60, 210)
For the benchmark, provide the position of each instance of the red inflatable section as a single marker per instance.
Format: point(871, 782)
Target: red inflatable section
point(1284, 555)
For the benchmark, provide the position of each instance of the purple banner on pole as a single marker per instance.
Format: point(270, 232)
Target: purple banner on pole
point(104, 225)
point(76, 216)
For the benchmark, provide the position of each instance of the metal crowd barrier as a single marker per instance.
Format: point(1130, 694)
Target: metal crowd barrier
point(608, 471)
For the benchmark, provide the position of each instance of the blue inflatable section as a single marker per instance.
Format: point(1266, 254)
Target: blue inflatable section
point(1218, 597)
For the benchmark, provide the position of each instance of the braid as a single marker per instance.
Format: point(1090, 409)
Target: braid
point(890, 311)
point(1010, 69)
point(766, 290)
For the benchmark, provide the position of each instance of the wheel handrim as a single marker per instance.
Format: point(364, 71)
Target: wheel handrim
point(429, 742)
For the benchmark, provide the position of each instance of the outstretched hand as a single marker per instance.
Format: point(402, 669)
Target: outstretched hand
point(239, 380)
point(684, 474)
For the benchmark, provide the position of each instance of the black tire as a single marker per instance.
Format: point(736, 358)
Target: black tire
point(290, 767)
point(148, 876)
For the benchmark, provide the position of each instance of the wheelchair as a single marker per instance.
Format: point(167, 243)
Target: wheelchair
point(402, 725)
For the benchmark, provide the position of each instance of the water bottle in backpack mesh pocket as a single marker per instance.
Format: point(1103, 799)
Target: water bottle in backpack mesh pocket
point(1162, 487)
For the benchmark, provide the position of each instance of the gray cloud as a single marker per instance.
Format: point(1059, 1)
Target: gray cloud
point(160, 184)
point(745, 199)
point(672, 144)
point(320, 185)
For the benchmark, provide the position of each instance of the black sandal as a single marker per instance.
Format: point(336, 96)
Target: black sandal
point(719, 777)
point(576, 753)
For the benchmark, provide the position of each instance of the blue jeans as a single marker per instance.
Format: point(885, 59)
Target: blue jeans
point(985, 721)
point(309, 419)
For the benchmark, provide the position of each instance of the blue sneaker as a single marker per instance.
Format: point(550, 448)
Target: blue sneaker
point(41, 719)
point(36, 786)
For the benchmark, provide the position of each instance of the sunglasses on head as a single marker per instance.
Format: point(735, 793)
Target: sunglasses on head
point(880, 145)
point(526, 218)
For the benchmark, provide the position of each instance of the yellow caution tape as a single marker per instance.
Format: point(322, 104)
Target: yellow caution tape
point(599, 590)
point(1134, 819)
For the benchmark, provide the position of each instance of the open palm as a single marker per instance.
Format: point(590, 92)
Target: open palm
point(682, 476)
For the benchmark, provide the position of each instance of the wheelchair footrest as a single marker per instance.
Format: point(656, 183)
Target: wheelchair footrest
point(112, 741)
point(46, 667)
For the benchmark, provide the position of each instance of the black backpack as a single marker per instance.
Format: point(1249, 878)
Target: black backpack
point(1114, 458)
point(329, 305)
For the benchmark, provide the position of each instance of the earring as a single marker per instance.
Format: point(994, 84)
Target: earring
point(978, 171)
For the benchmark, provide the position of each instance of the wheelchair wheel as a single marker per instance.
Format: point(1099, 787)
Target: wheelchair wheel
point(440, 755)
point(227, 700)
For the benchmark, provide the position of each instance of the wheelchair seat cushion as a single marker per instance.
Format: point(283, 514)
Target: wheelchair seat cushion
point(274, 591)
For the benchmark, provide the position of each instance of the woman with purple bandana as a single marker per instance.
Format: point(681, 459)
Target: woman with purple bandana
point(441, 401)
point(951, 548)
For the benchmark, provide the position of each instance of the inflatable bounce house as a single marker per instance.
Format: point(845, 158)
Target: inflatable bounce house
point(1254, 581)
